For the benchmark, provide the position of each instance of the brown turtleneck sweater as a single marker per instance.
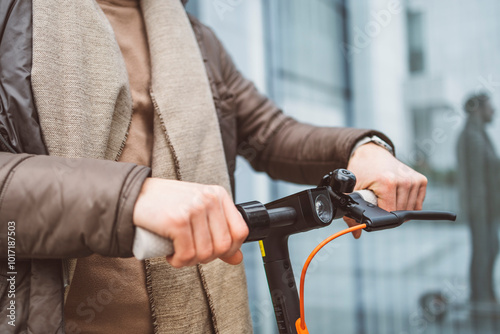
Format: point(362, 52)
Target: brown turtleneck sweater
point(108, 295)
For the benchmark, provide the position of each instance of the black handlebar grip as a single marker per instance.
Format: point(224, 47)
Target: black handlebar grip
point(260, 220)
point(257, 218)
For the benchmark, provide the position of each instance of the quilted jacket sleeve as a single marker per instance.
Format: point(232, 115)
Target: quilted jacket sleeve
point(68, 207)
point(274, 142)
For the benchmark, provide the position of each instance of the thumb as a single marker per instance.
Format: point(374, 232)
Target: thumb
point(234, 259)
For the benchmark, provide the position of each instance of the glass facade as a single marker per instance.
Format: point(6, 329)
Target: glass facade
point(307, 75)
point(304, 62)
point(415, 42)
point(406, 68)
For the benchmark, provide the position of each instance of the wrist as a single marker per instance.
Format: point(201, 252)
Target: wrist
point(140, 206)
point(368, 151)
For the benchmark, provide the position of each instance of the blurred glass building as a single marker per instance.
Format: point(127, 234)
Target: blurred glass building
point(402, 67)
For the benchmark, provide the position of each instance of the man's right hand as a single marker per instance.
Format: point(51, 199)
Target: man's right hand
point(201, 220)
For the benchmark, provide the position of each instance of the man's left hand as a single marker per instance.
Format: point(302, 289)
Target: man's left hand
point(397, 186)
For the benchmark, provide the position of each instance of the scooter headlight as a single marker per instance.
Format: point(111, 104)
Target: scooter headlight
point(324, 209)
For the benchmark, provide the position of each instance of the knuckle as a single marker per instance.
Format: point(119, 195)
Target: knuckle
point(210, 199)
point(406, 183)
point(197, 208)
point(389, 180)
point(178, 221)
point(218, 191)
point(388, 186)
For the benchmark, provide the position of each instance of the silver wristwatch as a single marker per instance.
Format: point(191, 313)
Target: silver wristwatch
point(373, 139)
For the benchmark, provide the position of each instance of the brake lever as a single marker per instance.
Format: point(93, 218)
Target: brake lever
point(376, 219)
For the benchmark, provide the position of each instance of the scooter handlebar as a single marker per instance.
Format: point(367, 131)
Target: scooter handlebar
point(259, 219)
point(149, 245)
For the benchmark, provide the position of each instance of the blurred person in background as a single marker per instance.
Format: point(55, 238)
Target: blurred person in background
point(478, 175)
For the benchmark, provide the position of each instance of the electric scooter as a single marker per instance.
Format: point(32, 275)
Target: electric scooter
point(333, 198)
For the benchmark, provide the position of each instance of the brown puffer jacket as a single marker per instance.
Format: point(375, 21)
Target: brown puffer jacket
point(64, 208)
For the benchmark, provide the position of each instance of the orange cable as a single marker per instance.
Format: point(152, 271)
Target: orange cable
point(301, 322)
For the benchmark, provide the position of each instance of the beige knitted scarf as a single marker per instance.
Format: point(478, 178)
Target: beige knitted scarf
point(81, 90)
